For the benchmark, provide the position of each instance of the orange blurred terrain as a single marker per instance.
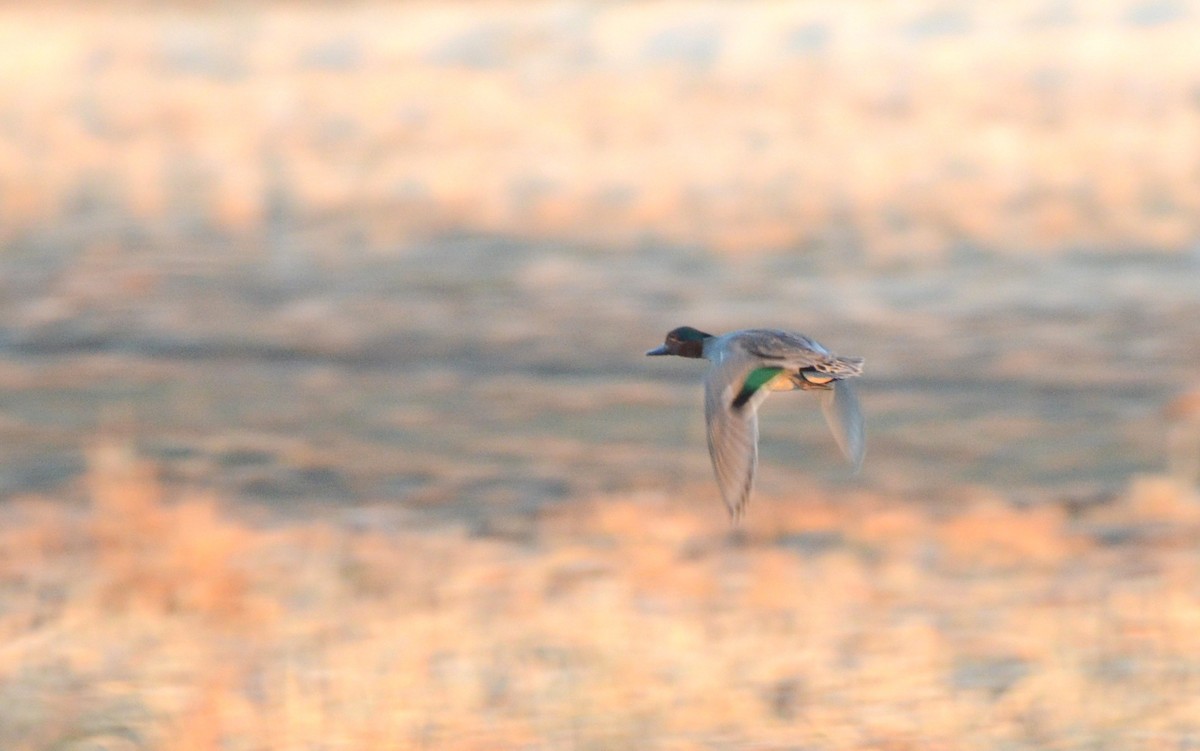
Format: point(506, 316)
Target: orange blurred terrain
point(337, 265)
point(139, 621)
point(915, 130)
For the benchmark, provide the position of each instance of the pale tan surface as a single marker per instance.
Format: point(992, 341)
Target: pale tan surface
point(913, 129)
point(634, 622)
point(328, 251)
point(369, 286)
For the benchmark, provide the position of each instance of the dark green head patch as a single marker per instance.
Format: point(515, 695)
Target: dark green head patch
point(688, 334)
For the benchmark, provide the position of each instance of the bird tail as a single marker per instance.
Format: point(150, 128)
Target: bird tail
point(844, 417)
point(847, 367)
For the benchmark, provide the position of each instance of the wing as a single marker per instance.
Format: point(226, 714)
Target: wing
point(733, 389)
point(838, 403)
point(787, 349)
point(840, 407)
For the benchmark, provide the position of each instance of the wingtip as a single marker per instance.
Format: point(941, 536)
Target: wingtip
point(844, 417)
point(856, 462)
point(735, 515)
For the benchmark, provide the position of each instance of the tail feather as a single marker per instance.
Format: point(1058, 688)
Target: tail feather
point(849, 366)
point(840, 367)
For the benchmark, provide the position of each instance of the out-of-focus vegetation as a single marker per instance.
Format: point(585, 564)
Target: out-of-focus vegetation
point(913, 130)
point(622, 622)
point(369, 285)
point(323, 251)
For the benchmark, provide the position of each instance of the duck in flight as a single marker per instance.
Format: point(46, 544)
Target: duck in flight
point(748, 365)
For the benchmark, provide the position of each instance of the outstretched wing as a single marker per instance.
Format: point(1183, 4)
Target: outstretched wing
point(733, 389)
point(839, 403)
point(840, 407)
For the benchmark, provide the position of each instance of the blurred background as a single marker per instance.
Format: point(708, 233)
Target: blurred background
point(325, 421)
